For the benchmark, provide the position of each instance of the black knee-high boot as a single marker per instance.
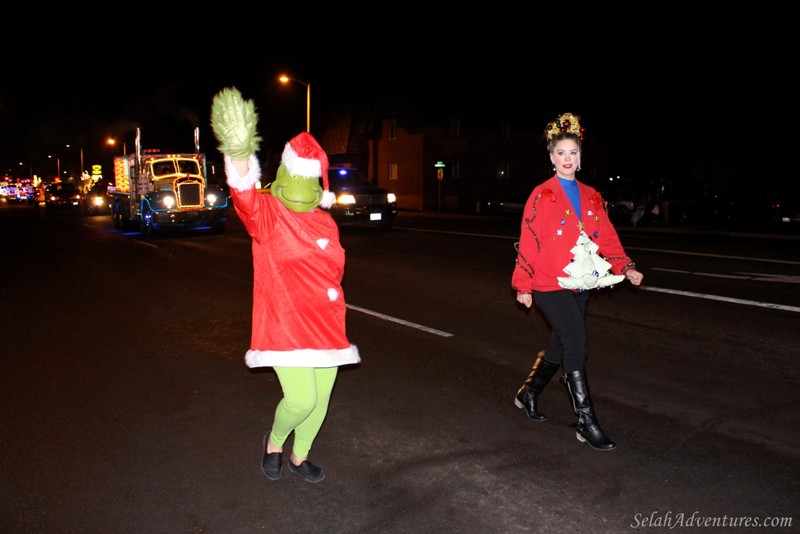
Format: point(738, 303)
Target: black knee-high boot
point(528, 395)
point(588, 429)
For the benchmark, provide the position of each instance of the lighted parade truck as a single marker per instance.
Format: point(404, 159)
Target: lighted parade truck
point(153, 191)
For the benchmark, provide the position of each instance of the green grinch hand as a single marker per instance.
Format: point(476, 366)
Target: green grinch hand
point(234, 121)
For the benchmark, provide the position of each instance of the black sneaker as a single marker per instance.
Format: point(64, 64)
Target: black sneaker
point(309, 471)
point(272, 463)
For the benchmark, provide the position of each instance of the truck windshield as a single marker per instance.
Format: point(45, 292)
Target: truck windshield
point(171, 166)
point(163, 168)
point(188, 166)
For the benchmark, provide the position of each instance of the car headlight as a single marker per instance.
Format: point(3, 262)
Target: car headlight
point(211, 198)
point(346, 198)
point(168, 201)
point(391, 198)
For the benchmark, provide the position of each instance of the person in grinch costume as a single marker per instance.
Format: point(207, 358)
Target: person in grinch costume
point(298, 322)
point(567, 247)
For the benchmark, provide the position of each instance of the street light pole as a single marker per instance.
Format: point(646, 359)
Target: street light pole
point(80, 171)
point(112, 141)
point(308, 107)
point(58, 166)
point(286, 79)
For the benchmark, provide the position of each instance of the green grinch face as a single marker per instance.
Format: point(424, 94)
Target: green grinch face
point(298, 193)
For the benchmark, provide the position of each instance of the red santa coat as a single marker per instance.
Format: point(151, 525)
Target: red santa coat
point(298, 265)
point(550, 228)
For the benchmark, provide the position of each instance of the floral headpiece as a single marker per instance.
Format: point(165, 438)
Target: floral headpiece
point(566, 123)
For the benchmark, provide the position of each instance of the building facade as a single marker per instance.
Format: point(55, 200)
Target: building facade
point(438, 155)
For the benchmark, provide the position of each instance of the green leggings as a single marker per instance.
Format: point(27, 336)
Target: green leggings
point(306, 395)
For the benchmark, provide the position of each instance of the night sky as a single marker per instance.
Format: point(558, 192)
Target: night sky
point(654, 112)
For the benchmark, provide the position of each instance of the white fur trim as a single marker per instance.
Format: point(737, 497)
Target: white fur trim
point(302, 357)
point(300, 166)
point(246, 182)
point(328, 199)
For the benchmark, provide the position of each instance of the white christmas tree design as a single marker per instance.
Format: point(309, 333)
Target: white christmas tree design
point(587, 270)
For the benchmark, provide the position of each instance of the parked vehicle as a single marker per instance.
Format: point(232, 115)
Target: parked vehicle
point(786, 213)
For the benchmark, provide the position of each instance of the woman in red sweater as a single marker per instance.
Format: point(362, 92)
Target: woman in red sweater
point(567, 247)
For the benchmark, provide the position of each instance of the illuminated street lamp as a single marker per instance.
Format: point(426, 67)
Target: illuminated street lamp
point(112, 141)
point(285, 79)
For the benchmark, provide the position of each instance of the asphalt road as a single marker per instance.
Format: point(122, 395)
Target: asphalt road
point(126, 406)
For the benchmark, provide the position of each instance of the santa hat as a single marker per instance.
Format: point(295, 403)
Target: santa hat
point(303, 156)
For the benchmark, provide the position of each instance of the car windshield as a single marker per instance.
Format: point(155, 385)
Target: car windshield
point(62, 188)
point(345, 177)
point(99, 187)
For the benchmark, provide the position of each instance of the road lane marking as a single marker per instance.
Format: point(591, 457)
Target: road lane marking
point(400, 321)
point(782, 307)
point(762, 277)
point(769, 305)
point(645, 249)
point(707, 255)
point(451, 232)
point(756, 277)
point(434, 331)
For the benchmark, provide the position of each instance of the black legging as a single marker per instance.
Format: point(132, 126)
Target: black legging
point(565, 310)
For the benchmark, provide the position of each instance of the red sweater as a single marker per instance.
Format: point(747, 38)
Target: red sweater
point(550, 228)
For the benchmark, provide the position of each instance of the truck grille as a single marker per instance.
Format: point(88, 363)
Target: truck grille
point(190, 195)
